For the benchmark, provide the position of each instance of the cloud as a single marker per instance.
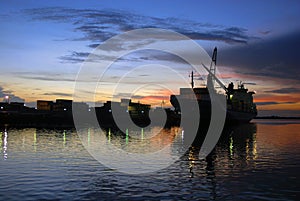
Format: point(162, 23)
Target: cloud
point(280, 98)
point(273, 58)
point(283, 113)
point(133, 96)
point(249, 83)
point(154, 55)
point(273, 103)
point(58, 94)
point(12, 97)
point(95, 26)
point(45, 76)
point(79, 57)
point(74, 57)
point(265, 32)
point(94, 45)
point(144, 56)
point(123, 95)
point(285, 90)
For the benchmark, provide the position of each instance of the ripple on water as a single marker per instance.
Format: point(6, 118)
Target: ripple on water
point(253, 162)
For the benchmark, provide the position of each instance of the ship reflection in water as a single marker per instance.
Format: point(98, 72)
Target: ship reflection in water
point(251, 161)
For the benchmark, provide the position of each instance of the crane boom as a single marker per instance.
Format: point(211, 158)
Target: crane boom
point(217, 80)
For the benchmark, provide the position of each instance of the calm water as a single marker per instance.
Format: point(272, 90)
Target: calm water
point(257, 161)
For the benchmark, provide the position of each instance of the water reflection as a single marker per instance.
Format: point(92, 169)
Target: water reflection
point(32, 140)
point(142, 141)
point(250, 161)
point(239, 141)
point(5, 145)
point(235, 148)
point(236, 143)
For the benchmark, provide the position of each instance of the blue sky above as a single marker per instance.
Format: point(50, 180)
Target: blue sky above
point(43, 43)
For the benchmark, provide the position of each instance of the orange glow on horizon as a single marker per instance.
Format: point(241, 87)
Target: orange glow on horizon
point(162, 98)
point(280, 106)
point(281, 102)
point(278, 98)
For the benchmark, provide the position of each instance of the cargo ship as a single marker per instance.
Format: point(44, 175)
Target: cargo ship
point(240, 107)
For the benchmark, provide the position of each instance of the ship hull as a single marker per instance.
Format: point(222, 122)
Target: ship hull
point(232, 116)
point(239, 117)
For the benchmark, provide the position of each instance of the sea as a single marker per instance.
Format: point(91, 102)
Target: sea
point(255, 161)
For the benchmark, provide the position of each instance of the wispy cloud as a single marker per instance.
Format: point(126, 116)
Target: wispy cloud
point(45, 76)
point(79, 57)
point(273, 103)
point(249, 83)
point(58, 94)
point(95, 26)
point(285, 90)
point(265, 32)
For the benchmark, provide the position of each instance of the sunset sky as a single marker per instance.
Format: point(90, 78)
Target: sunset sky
point(44, 43)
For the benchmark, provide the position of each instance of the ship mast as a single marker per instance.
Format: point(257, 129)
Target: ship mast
point(192, 79)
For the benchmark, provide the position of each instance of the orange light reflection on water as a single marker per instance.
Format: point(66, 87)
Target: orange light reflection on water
point(279, 136)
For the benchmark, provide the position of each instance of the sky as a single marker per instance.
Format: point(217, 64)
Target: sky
point(44, 44)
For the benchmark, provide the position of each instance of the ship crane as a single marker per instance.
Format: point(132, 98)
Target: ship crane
point(212, 68)
point(215, 78)
point(212, 72)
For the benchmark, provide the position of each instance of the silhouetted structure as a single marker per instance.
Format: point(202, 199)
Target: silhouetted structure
point(44, 105)
point(138, 112)
point(239, 102)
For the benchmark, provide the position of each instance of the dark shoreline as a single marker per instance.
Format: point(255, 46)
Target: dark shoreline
point(276, 117)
